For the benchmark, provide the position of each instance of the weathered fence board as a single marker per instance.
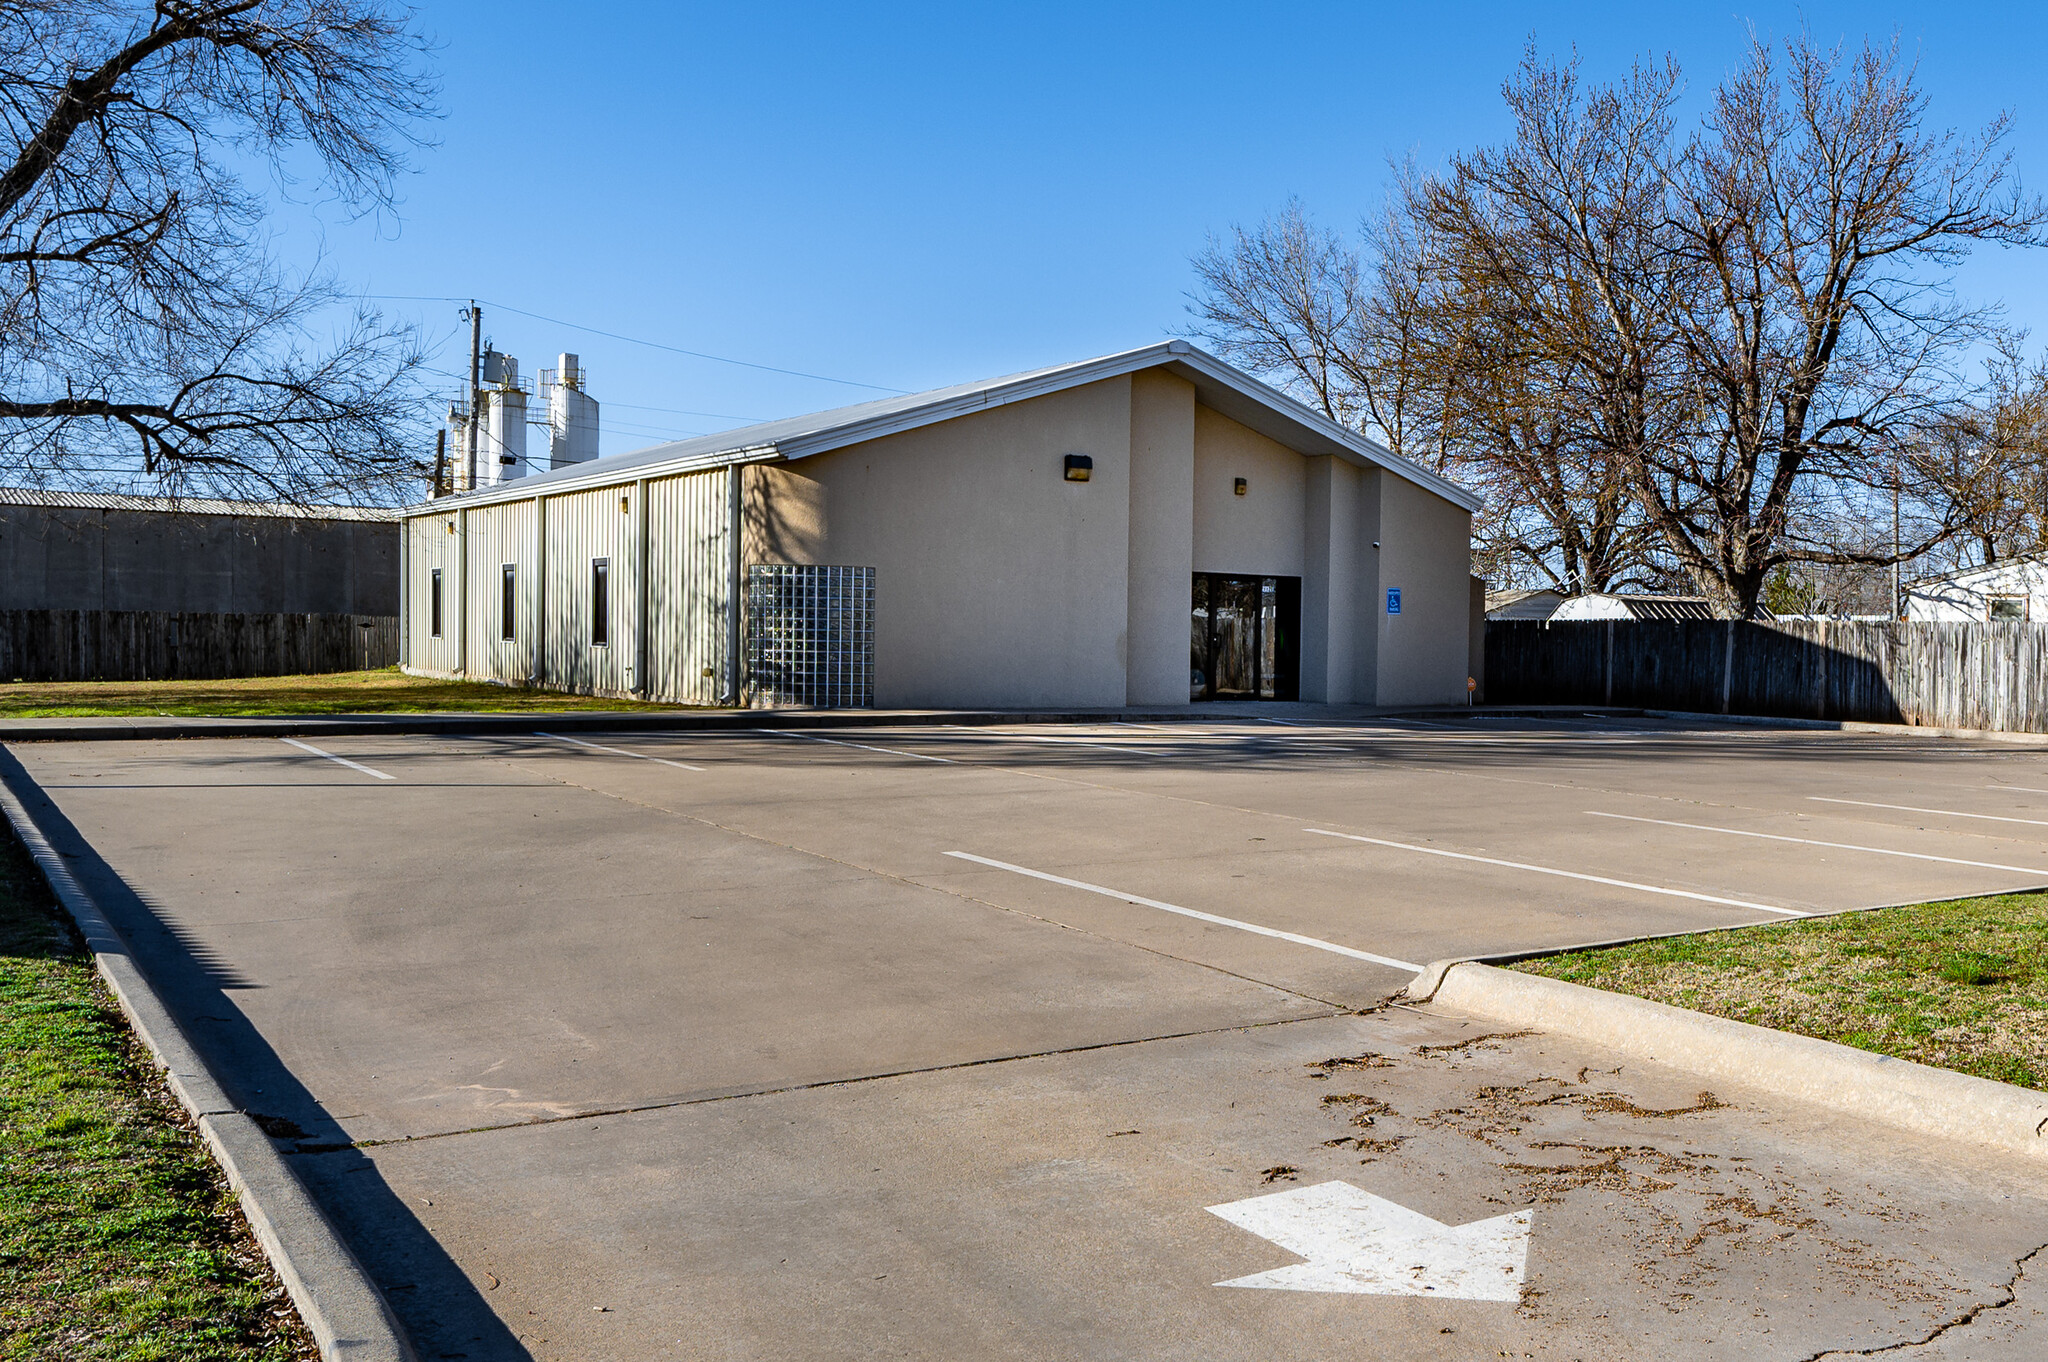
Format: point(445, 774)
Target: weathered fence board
point(1990, 676)
point(148, 645)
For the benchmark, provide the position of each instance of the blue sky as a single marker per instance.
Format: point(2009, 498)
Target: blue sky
point(912, 195)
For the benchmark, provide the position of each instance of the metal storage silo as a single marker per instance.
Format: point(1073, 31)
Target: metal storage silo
point(572, 415)
point(501, 453)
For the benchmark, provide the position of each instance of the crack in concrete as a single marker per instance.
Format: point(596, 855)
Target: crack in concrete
point(671, 1103)
point(1970, 1316)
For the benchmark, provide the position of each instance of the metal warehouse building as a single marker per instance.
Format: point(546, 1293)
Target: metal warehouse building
point(1145, 528)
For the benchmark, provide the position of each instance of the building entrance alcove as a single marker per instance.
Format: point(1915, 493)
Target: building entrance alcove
point(1246, 638)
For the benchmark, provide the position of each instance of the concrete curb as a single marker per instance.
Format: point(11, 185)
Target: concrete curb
point(341, 1306)
point(148, 727)
point(1855, 726)
point(1893, 1092)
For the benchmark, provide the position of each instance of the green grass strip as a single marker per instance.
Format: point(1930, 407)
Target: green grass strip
point(1962, 984)
point(388, 691)
point(118, 1237)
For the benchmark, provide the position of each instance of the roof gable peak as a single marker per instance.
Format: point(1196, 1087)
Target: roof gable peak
point(1218, 385)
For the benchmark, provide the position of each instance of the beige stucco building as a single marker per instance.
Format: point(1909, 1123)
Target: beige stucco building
point(1148, 528)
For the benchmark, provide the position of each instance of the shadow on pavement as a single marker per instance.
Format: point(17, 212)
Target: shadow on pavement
point(432, 1297)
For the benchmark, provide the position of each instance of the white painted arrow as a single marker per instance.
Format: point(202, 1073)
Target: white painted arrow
point(1355, 1241)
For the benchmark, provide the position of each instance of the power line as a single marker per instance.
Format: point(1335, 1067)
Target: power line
point(634, 340)
point(684, 411)
point(610, 403)
point(663, 432)
point(629, 427)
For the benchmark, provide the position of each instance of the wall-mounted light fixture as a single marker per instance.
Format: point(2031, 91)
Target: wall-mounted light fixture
point(1079, 466)
point(626, 504)
point(1238, 487)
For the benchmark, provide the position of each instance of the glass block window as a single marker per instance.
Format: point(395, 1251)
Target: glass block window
point(811, 634)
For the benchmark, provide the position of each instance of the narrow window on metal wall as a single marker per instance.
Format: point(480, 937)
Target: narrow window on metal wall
point(508, 603)
point(600, 602)
point(434, 605)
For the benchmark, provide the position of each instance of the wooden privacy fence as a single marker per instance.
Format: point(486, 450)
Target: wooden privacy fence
point(1990, 676)
point(148, 645)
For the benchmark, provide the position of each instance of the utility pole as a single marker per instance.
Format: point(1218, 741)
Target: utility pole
point(476, 337)
point(440, 460)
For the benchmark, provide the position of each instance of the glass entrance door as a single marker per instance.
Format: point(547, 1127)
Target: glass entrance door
point(1246, 638)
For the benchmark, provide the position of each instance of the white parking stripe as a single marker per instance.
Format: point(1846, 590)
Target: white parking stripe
point(1063, 742)
point(619, 751)
point(1565, 874)
point(2018, 789)
point(1839, 846)
point(1253, 927)
point(352, 765)
point(892, 751)
point(1351, 737)
point(1941, 813)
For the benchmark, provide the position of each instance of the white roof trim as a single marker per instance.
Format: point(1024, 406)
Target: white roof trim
point(1220, 387)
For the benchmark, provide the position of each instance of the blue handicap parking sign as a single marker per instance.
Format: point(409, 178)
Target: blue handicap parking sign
point(1393, 600)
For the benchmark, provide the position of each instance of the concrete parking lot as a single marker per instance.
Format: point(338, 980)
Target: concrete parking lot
point(942, 1042)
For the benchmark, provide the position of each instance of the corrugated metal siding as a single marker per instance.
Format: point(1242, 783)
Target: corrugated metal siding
point(582, 527)
point(687, 553)
point(499, 535)
point(687, 586)
point(117, 501)
point(429, 545)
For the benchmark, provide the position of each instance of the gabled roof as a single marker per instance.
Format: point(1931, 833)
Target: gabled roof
point(1218, 386)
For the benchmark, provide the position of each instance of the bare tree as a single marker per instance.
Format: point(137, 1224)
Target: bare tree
point(1528, 393)
point(1755, 323)
point(1382, 334)
point(1815, 221)
point(1983, 467)
point(144, 329)
point(1565, 515)
point(1327, 319)
point(1556, 376)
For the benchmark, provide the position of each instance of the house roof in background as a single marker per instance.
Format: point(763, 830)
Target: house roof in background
point(1509, 595)
point(1598, 605)
point(1982, 570)
point(110, 501)
point(1515, 603)
point(1669, 607)
point(1218, 386)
